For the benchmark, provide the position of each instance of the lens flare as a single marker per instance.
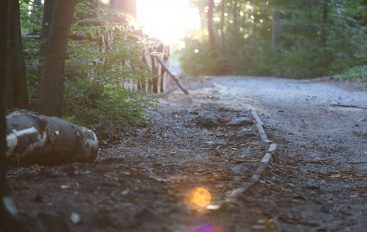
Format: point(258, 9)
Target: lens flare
point(199, 198)
point(205, 228)
point(208, 228)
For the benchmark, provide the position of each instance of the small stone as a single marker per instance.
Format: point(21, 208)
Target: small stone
point(65, 186)
point(125, 192)
point(220, 142)
point(213, 207)
point(206, 121)
point(258, 227)
point(247, 132)
point(324, 209)
point(238, 169)
point(75, 218)
point(185, 100)
point(241, 121)
point(210, 142)
point(291, 185)
point(38, 198)
point(245, 152)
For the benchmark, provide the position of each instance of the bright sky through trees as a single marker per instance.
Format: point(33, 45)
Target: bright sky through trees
point(167, 20)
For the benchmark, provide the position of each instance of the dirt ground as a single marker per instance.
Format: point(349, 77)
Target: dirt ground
point(207, 142)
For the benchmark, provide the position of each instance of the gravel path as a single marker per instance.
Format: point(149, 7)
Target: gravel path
point(319, 181)
point(157, 177)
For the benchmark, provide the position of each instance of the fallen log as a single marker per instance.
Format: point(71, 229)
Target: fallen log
point(46, 140)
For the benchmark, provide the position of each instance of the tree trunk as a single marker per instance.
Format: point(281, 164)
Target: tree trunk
point(325, 19)
point(203, 17)
point(275, 30)
point(8, 212)
point(4, 51)
point(52, 87)
point(48, 9)
point(211, 24)
point(48, 140)
point(223, 39)
point(235, 25)
point(15, 91)
point(309, 10)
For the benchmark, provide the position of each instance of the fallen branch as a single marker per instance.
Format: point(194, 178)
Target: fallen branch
point(349, 106)
point(176, 79)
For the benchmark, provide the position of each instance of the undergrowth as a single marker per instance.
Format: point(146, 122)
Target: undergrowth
point(358, 73)
point(88, 103)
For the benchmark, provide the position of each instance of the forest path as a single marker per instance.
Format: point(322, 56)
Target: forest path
point(152, 177)
point(319, 180)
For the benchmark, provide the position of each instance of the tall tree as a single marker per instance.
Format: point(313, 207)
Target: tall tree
point(275, 29)
point(48, 8)
point(235, 24)
point(8, 222)
point(4, 189)
point(325, 18)
point(309, 9)
point(52, 86)
point(15, 91)
point(211, 32)
point(222, 20)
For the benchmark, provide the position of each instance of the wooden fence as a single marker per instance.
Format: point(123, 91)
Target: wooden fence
point(157, 60)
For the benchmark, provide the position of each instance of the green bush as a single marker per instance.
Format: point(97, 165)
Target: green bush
point(197, 58)
point(358, 73)
point(93, 86)
point(87, 102)
point(94, 92)
point(309, 43)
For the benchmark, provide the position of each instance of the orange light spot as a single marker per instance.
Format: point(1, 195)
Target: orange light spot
point(200, 197)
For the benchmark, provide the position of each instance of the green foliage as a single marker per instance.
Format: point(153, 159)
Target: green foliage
point(94, 88)
point(94, 73)
point(309, 43)
point(30, 19)
point(358, 73)
point(88, 102)
point(197, 58)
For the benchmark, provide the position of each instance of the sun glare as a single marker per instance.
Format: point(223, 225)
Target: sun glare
point(167, 20)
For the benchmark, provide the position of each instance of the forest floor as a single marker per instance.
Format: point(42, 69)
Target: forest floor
point(147, 180)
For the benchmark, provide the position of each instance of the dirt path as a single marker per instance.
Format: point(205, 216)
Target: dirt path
point(319, 181)
point(157, 177)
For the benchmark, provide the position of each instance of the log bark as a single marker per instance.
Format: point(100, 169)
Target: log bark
point(48, 140)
